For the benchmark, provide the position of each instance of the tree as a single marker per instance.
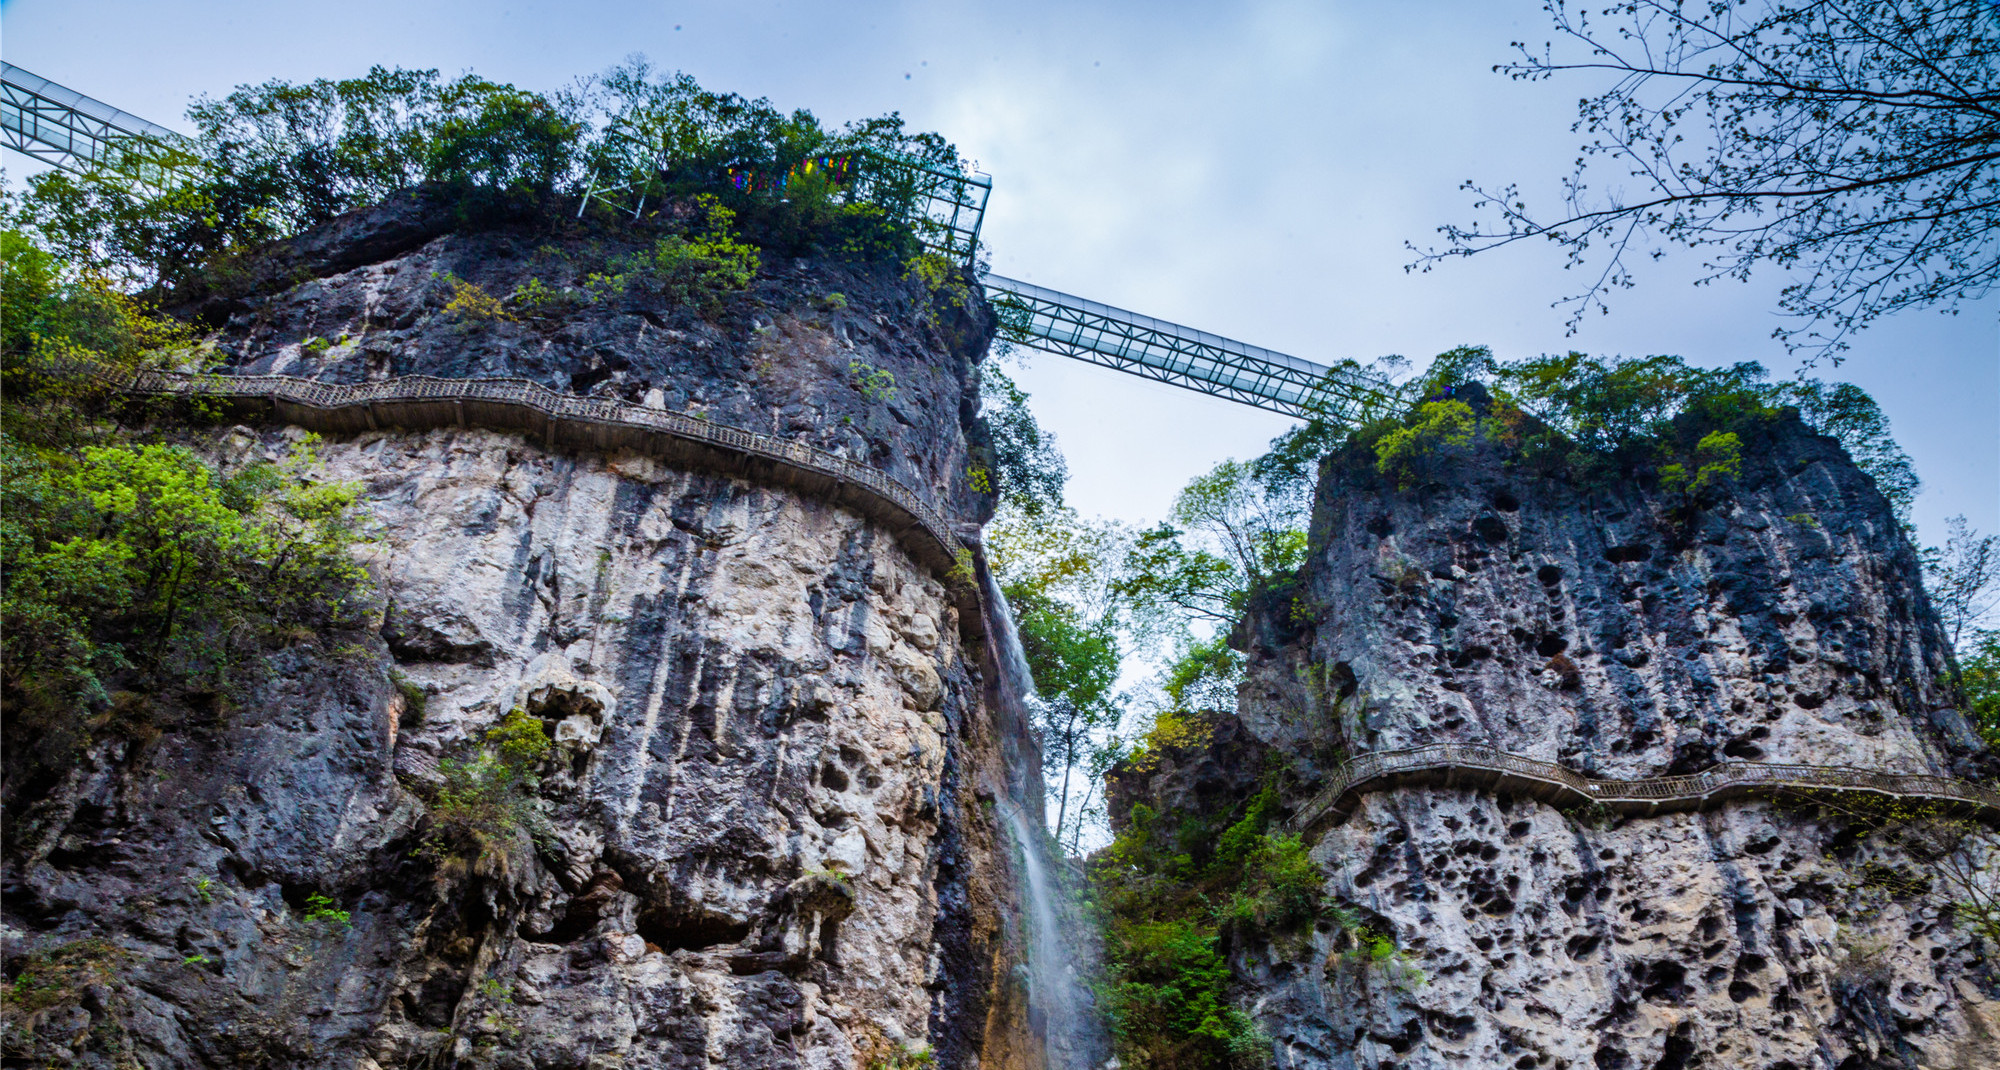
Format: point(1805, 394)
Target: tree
point(1030, 468)
point(1856, 141)
point(1979, 676)
point(1055, 570)
point(1964, 579)
point(1185, 582)
point(1224, 535)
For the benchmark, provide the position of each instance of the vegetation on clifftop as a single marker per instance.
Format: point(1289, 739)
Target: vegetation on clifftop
point(272, 161)
point(1601, 420)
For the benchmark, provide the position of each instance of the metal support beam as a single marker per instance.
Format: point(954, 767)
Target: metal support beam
point(60, 126)
point(1071, 326)
point(946, 207)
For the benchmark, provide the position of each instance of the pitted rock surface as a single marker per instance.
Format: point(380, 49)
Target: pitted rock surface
point(1602, 630)
point(800, 355)
point(1623, 634)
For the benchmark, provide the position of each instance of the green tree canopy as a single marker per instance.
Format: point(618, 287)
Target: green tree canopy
point(272, 160)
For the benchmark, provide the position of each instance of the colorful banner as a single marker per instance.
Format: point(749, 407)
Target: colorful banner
point(838, 170)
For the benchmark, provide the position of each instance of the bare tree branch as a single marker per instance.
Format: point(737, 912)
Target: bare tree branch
point(1857, 142)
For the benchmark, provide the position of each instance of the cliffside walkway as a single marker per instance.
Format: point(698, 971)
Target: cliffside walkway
point(1465, 765)
point(420, 402)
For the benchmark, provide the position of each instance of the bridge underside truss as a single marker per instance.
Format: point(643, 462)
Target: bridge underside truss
point(1087, 330)
point(60, 126)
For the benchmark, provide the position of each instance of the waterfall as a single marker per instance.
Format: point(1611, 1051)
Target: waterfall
point(1017, 682)
point(1060, 944)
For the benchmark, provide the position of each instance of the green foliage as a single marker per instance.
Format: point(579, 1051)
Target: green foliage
point(1239, 840)
point(697, 269)
point(1054, 569)
point(535, 299)
point(961, 566)
point(132, 567)
point(1599, 420)
point(944, 283)
point(470, 304)
point(1717, 457)
point(1846, 412)
point(484, 802)
point(1175, 894)
point(1029, 468)
point(1979, 676)
point(272, 160)
point(1602, 421)
point(59, 975)
point(1073, 658)
point(1228, 534)
point(686, 140)
point(875, 384)
point(1408, 454)
point(1281, 886)
point(55, 319)
point(143, 560)
point(1172, 729)
point(1168, 997)
point(269, 161)
point(324, 912)
point(903, 1057)
point(1203, 675)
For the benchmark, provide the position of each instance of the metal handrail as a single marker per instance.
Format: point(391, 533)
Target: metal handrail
point(528, 396)
point(1470, 763)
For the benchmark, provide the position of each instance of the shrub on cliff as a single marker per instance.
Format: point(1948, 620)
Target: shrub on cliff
point(1979, 675)
point(696, 268)
point(483, 803)
point(1178, 893)
point(133, 565)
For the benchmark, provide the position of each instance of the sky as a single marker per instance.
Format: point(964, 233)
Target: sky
point(1251, 169)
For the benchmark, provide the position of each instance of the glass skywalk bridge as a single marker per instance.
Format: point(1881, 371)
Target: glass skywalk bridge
point(1088, 330)
point(60, 126)
point(65, 128)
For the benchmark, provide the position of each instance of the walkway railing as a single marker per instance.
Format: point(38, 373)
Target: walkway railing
point(422, 401)
point(1472, 765)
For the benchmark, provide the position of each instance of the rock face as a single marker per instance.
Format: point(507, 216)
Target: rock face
point(763, 838)
point(1621, 634)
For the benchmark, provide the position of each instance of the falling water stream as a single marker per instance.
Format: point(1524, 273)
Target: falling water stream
point(1059, 945)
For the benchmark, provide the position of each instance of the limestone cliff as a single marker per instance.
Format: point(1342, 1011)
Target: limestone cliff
point(1621, 633)
point(766, 835)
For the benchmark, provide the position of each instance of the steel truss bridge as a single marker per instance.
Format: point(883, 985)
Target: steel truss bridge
point(945, 207)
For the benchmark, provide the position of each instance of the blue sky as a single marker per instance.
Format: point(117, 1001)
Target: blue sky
point(1252, 169)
